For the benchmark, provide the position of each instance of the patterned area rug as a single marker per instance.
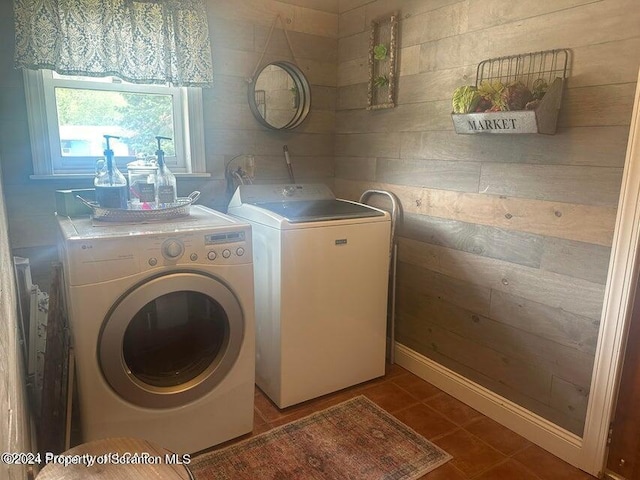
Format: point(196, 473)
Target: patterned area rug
point(353, 440)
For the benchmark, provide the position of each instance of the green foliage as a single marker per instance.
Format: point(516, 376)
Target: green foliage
point(465, 99)
point(380, 51)
point(143, 115)
point(148, 115)
point(85, 107)
point(491, 91)
point(381, 81)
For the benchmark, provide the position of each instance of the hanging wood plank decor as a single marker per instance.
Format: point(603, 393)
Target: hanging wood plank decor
point(382, 63)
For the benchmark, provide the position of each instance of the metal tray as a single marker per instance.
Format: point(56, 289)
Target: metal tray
point(181, 209)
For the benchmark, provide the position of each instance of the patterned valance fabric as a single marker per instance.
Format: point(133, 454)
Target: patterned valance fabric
point(139, 41)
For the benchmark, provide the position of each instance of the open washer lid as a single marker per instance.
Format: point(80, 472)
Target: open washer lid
point(297, 203)
point(319, 210)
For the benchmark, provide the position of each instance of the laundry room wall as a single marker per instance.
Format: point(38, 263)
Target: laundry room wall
point(505, 243)
point(238, 32)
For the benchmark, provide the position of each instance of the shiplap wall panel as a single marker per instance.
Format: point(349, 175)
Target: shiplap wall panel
point(353, 71)
point(569, 398)
point(571, 294)
point(530, 348)
point(473, 297)
point(617, 20)
point(351, 22)
point(600, 64)
point(406, 8)
point(346, 5)
point(597, 105)
point(499, 243)
point(317, 22)
point(571, 330)
point(441, 174)
point(537, 230)
point(410, 117)
point(585, 223)
point(529, 379)
point(430, 86)
point(353, 47)
point(330, 6)
point(595, 146)
point(543, 409)
point(571, 184)
point(227, 141)
point(488, 13)
point(409, 63)
point(356, 167)
point(303, 45)
point(352, 97)
point(369, 144)
point(576, 259)
point(324, 97)
point(448, 21)
point(270, 143)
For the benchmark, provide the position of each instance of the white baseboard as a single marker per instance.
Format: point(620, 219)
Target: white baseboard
point(544, 433)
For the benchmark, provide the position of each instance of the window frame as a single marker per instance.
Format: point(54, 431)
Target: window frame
point(45, 136)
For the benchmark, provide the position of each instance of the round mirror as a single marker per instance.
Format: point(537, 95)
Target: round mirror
point(280, 96)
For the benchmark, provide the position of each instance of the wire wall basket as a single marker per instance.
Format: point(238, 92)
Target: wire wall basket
point(549, 68)
point(526, 68)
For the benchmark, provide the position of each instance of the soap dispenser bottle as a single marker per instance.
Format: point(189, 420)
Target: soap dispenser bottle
point(166, 194)
point(111, 186)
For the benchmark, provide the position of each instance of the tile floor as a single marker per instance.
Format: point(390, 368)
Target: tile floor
point(482, 449)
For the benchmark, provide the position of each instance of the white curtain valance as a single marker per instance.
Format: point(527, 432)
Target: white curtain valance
point(139, 41)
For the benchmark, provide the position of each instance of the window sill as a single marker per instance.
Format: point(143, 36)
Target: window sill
point(82, 176)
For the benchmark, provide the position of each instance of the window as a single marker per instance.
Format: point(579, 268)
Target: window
point(69, 115)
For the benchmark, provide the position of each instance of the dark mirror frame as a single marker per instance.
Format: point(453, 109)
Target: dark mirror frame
point(304, 93)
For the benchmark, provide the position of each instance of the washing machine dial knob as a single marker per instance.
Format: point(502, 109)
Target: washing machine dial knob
point(172, 249)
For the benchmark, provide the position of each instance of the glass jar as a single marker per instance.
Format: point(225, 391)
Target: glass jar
point(142, 188)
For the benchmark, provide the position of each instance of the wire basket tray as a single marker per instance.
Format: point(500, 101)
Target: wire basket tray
point(180, 209)
point(526, 67)
point(549, 65)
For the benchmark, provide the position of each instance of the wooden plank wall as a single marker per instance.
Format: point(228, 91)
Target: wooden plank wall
point(239, 32)
point(505, 243)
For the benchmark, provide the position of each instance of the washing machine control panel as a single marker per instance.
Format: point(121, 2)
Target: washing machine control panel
point(198, 248)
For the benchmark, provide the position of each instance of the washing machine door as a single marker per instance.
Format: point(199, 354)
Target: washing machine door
point(171, 339)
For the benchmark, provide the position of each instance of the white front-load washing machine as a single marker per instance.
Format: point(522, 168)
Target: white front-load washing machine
point(162, 323)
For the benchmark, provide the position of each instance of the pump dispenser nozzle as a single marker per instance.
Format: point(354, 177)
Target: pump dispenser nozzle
point(108, 152)
point(160, 152)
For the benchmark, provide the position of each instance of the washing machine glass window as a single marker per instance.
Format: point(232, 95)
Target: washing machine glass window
point(171, 339)
point(174, 338)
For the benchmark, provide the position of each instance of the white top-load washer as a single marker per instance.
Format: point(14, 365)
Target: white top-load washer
point(321, 275)
point(162, 322)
